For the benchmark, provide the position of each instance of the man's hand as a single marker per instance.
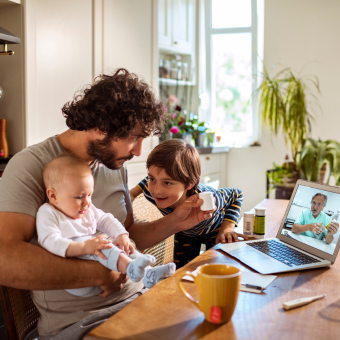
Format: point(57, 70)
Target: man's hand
point(115, 282)
point(94, 245)
point(333, 228)
point(123, 242)
point(227, 233)
point(189, 213)
point(317, 228)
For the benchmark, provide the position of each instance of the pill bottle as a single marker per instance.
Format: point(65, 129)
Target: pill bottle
point(248, 223)
point(260, 222)
point(208, 200)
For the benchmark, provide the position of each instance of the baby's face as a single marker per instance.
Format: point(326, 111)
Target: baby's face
point(74, 196)
point(164, 190)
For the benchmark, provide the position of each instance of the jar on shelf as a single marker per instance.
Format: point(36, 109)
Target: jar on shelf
point(166, 73)
point(161, 69)
point(174, 70)
point(184, 75)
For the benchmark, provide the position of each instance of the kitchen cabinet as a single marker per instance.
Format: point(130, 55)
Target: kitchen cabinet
point(213, 170)
point(176, 26)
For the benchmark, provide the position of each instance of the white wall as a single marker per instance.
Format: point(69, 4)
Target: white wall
point(295, 33)
point(70, 42)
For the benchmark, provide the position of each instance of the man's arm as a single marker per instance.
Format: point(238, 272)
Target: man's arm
point(26, 266)
point(184, 217)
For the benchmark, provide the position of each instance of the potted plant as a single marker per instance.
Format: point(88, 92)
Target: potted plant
point(313, 158)
point(211, 136)
point(283, 106)
point(198, 130)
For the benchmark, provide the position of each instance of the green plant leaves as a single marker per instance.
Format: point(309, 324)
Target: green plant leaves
point(316, 153)
point(282, 106)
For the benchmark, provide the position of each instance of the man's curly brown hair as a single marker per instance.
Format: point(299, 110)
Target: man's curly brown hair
point(116, 105)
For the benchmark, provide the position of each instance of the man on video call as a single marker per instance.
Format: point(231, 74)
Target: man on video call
point(313, 222)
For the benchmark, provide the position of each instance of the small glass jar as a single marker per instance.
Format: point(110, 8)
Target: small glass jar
point(166, 73)
point(184, 71)
point(173, 70)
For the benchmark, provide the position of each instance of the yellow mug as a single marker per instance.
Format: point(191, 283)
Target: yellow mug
point(218, 287)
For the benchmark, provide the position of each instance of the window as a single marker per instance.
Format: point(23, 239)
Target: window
point(232, 59)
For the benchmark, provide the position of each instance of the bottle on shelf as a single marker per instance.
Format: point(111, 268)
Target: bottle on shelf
point(3, 139)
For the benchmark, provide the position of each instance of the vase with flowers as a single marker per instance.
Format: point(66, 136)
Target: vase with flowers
point(175, 125)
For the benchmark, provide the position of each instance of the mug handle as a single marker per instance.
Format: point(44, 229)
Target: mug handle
point(179, 281)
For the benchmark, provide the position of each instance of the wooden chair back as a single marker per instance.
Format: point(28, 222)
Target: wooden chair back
point(20, 314)
point(144, 211)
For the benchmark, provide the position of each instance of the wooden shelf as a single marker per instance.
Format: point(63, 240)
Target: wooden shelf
point(173, 82)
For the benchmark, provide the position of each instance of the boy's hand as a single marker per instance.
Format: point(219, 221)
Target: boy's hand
point(94, 245)
point(227, 233)
point(123, 242)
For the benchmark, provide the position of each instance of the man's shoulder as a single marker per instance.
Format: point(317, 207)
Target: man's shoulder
point(40, 153)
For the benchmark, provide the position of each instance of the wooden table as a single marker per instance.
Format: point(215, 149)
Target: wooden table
point(164, 313)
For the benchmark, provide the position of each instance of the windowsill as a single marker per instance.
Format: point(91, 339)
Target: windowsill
point(203, 150)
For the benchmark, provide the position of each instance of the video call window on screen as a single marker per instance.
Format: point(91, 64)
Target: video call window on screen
point(313, 207)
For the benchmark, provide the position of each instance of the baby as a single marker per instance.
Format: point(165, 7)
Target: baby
point(66, 226)
point(174, 171)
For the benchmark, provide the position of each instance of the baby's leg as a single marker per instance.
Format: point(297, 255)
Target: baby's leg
point(157, 274)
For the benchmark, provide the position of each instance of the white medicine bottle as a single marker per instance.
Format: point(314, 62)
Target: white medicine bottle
point(248, 223)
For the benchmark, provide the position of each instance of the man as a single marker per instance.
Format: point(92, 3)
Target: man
point(107, 125)
point(312, 222)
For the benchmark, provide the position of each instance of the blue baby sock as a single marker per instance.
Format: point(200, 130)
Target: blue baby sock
point(156, 274)
point(136, 268)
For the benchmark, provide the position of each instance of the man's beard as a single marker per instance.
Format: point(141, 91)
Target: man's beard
point(103, 152)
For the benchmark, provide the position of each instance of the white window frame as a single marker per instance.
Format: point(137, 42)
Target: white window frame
point(257, 31)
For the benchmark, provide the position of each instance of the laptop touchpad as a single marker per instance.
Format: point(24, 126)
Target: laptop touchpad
point(249, 255)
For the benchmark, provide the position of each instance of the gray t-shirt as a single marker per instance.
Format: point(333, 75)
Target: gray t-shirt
point(22, 190)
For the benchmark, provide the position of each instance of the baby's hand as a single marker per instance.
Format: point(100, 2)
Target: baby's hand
point(123, 242)
point(94, 245)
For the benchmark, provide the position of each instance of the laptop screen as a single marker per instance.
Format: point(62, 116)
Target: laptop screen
point(309, 217)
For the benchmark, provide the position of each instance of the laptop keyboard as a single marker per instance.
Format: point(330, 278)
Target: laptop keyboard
point(282, 253)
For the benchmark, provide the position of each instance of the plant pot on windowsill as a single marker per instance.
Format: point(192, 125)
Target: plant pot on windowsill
point(164, 136)
point(210, 138)
point(199, 139)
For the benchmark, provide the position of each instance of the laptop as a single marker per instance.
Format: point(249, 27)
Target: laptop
point(290, 250)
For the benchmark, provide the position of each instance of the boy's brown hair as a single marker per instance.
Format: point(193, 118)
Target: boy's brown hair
point(180, 161)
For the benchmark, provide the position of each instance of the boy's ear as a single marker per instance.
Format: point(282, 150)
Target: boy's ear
point(190, 187)
point(52, 195)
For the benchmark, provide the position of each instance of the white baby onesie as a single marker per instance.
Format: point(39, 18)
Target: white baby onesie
point(56, 230)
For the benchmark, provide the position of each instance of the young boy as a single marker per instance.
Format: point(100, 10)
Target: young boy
point(174, 171)
point(66, 226)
